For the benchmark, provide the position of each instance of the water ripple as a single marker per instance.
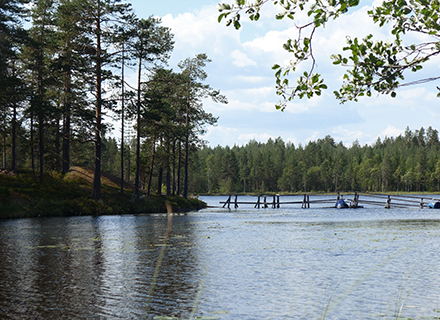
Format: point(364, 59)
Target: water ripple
point(238, 264)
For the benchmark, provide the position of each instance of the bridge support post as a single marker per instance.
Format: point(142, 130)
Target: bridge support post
point(355, 200)
point(388, 205)
point(257, 205)
point(227, 202)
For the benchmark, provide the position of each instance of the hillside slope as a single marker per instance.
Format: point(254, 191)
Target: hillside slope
point(87, 174)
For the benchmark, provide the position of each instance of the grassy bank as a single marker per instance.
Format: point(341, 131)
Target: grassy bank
point(69, 195)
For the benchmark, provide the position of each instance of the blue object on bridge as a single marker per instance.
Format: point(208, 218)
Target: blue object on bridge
point(434, 205)
point(340, 204)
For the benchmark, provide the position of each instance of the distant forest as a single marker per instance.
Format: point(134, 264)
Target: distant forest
point(410, 162)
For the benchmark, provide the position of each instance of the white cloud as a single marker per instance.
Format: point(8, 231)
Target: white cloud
point(251, 94)
point(253, 79)
point(240, 59)
point(200, 32)
point(304, 105)
point(414, 94)
point(315, 135)
point(270, 46)
point(391, 131)
point(237, 105)
point(342, 134)
point(271, 41)
point(220, 135)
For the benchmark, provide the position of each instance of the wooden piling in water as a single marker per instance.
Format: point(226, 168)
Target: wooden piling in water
point(388, 204)
point(227, 202)
point(355, 200)
point(306, 202)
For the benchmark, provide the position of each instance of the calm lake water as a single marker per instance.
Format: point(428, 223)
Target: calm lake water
point(246, 263)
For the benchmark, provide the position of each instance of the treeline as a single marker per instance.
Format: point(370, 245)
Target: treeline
point(409, 162)
point(63, 67)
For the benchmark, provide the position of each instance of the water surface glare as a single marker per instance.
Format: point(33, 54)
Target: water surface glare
point(245, 263)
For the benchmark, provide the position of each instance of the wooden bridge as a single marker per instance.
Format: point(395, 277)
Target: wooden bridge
point(351, 200)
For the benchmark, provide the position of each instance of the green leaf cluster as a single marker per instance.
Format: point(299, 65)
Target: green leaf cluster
point(372, 66)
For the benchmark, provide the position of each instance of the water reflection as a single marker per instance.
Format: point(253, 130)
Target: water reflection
point(239, 264)
point(93, 268)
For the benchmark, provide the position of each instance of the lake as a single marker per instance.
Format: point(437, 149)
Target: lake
point(245, 263)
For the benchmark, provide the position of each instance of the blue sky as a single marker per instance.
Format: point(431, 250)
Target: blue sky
point(241, 69)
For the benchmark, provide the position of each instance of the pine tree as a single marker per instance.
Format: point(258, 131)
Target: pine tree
point(38, 55)
point(12, 36)
point(195, 117)
point(101, 20)
point(152, 44)
point(72, 67)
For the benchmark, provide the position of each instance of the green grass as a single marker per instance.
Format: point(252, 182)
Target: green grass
point(21, 197)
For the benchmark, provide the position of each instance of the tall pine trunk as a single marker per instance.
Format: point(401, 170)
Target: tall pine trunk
point(41, 145)
point(160, 180)
point(122, 114)
point(153, 155)
point(97, 192)
point(14, 138)
point(14, 129)
point(57, 166)
point(168, 169)
point(138, 132)
point(66, 121)
point(40, 107)
point(32, 148)
point(185, 181)
point(179, 164)
point(4, 141)
point(173, 183)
